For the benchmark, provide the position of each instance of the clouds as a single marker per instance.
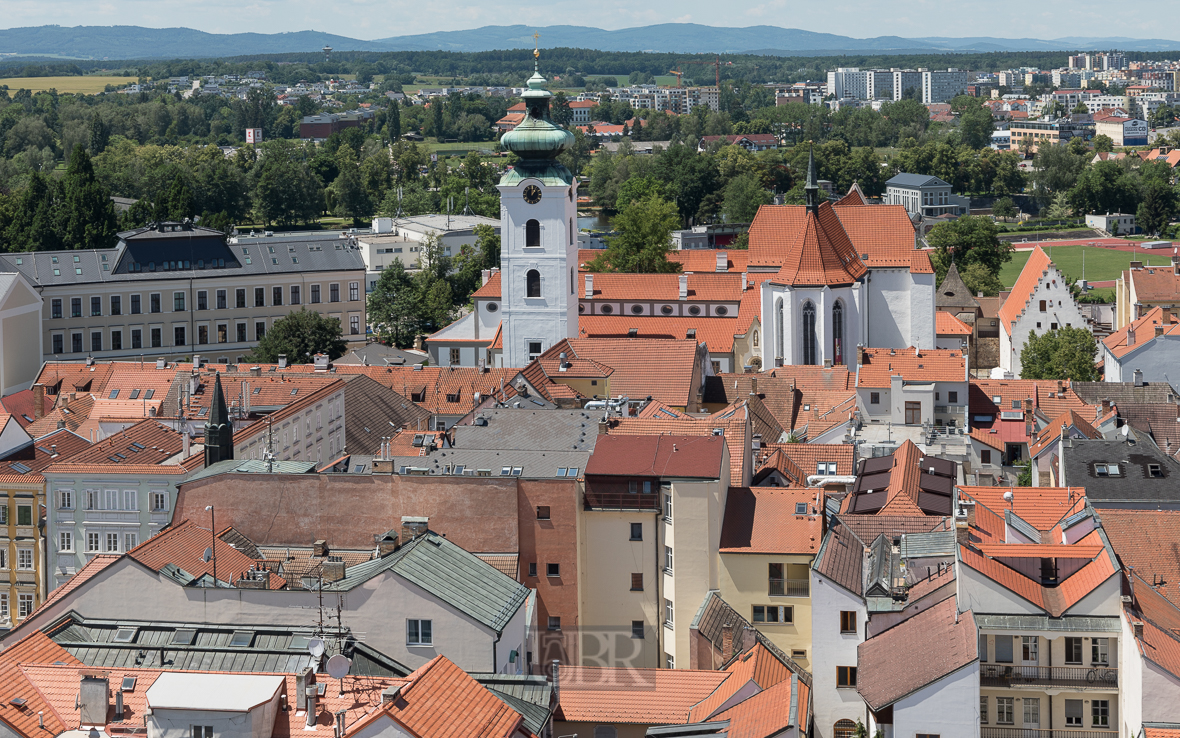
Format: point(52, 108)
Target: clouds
point(371, 19)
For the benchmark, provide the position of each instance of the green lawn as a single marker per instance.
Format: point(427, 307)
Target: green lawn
point(1101, 264)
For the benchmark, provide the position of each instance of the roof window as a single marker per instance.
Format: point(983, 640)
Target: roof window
point(114, 393)
point(148, 394)
point(800, 508)
point(505, 471)
point(125, 635)
point(241, 639)
point(134, 395)
point(183, 637)
point(20, 468)
point(1155, 471)
point(128, 684)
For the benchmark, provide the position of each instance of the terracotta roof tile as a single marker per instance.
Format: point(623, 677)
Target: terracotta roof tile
point(1052, 432)
point(1056, 601)
point(25, 719)
point(841, 557)
point(661, 368)
point(988, 437)
point(1022, 291)
point(1040, 507)
point(808, 455)
point(20, 406)
point(764, 520)
point(702, 287)
point(1155, 284)
point(768, 712)
point(915, 653)
point(816, 252)
point(1144, 328)
point(946, 324)
point(912, 365)
point(1145, 542)
point(705, 260)
point(734, 430)
point(779, 461)
point(184, 544)
point(46, 450)
point(491, 288)
point(442, 701)
point(884, 236)
point(716, 333)
point(1040, 550)
point(591, 694)
point(855, 196)
point(74, 415)
point(657, 455)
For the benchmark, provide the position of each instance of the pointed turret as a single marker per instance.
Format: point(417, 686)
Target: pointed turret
point(811, 187)
point(219, 431)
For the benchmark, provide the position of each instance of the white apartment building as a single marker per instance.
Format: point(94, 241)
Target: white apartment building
point(940, 86)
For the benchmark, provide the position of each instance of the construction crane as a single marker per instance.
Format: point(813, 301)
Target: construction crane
point(678, 74)
point(716, 64)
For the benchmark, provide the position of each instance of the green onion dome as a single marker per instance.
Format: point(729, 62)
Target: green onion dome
point(537, 137)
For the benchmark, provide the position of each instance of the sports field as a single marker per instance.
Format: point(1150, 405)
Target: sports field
point(87, 85)
point(1101, 264)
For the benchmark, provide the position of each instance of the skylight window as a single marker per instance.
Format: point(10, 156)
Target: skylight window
point(114, 393)
point(129, 684)
point(148, 394)
point(561, 470)
point(256, 391)
point(125, 635)
point(505, 471)
point(20, 468)
point(800, 508)
point(517, 470)
point(1101, 470)
point(573, 472)
point(137, 447)
point(241, 639)
point(183, 637)
point(295, 391)
point(134, 395)
point(299, 642)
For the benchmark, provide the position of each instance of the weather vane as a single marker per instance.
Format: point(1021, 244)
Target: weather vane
point(536, 45)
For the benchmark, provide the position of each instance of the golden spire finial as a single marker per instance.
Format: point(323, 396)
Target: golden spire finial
point(536, 45)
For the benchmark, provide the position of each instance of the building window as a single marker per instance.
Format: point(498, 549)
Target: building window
point(58, 343)
point(532, 568)
point(808, 333)
point(874, 398)
point(637, 582)
point(532, 283)
point(76, 343)
point(534, 350)
point(178, 302)
point(4, 604)
point(1042, 306)
point(65, 541)
point(333, 293)
point(1032, 712)
point(354, 291)
point(637, 629)
point(24, 559)
point(202, 335)
point(668, 507)
point(116, 305)
point(222, 333)
point(24, 515)
point(454, 357)
point(92, 542)
point(65, 500)
point(985, 456)
point(240, 297)
point(419, 633)
point(838, 333)
point(1099, 653)
point(221, 299)
point(354, 325)
point(259, 330)
point(982, 647)
point(202, 731)
point(1029, 649)
point(55, 307)
point(846, 677)
point(1004, 711)
point(75, 307)
point(844, 729)
point(95, 306)
point(553, 570)
point(774, 614)
point(178, 335)
point(1099, 712)
point(669, 661)
point(202, 300)
point(315, 294)
point(276, 296)
point(983, 709)
point(112, 541)
point(136, 306)
point(157, 337)
point(543, 512)
point(847, 621)
point(259, 297)
point(669, 613)
point(241, 327)
point(24, 605)
point(637, 531)
point(1073, 713)
point(913, 413)
point(952, 397)
point(159, 502)
point(154, 303)
point(136, 338)
point(824, 468)
point(554, 623)
point(1073, 650)
point(668, 559)
point(532, 234)
point(96, 340)
point(1004, 649)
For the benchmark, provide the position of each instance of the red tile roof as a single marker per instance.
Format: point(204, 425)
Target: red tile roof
point(662, 368)
point(1030, 276)
point(1040, 550)
point(778, 460)
point(812, 251)
point(902, 490)
point(708, 286)
point(657, 455)
point(757, 667)
point(442, 701)
point(184, 545)
point(808, 455)
point(73, 414)
point(25, 719)
point(1145, 330)
point(491, 289)
point(736, 431)
point(884, 237)
point(915, 653)
point(762, 520)
point(1054, 600)
point(147, 447)
point(946, 324)
point(1146, 542)
point(1052, 432)
point(716, 333)
point(1040, 507)
point(855, 196)
point(912, 365)
point(989, 437)
point(705, 260)
point(20, 406)
point(57, 446)
point(591, 694)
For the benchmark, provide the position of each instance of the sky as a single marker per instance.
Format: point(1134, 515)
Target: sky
point(372, 19)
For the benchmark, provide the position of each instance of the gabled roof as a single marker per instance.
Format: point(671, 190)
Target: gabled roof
point(1026, 284)
point(1052, 432)
point(1145, 331)
point(907, 482)
point(183, 545)
point(657, 455)
point(1154, 284)
point(819, 253)
point(1054, 600)
point(26, 464)
point(915, 653)
point(661, 368)
point(757, 666)
point(915, 180)
point(25, 718)
point(592, 694)
point(147, 447)
point(1145, 542)
point(953, 292)
point(855, 196)
point(442, 701)
point(884, 236)
point(946, 324)
point(841, 557)
point(734, 429)
point(764, 520)
point(912, 365)
point(808, 455)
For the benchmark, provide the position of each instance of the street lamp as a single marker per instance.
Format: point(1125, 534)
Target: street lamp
point(213, 535)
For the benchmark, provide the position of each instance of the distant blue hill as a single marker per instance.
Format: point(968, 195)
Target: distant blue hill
point(135, 42)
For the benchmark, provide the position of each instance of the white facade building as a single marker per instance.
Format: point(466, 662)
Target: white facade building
point(1039, 302)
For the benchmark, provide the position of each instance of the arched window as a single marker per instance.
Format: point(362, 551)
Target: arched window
point(532, 233)
point(844, 729)
point(808, 333)
point(779, 329)
point(532, 282)
point(838, 333)
point(755, 338)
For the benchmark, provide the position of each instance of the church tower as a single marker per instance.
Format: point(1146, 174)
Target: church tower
point(539, 239)
point(219, 431)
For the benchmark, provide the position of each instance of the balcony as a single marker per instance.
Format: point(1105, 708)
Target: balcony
point(621, 501)
point(986, 732)
point(1078, 677)
point(790, 588)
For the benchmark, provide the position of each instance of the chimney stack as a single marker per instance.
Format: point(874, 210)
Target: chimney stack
point(386, 543)
point(304, 679)
point(412, 527)
point(683, 287)
point(860, 354)
point(722, 261)
point(38, 400)
point(282, 361)
point(1138, 377)
point(333, 569)
point(589, 286)
point(1159, 330)
point(726, 642)
point(93, 698)
point(1105, 407)
point(310, 691)
point(319, 549)
point(119, 704)
point(1138, 626)
point(753, 385)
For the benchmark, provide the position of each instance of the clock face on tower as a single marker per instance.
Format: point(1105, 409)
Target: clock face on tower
point(532, 194)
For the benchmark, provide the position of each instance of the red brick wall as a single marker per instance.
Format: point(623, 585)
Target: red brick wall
point(551, 541)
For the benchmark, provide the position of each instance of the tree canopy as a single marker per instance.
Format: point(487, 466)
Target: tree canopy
point(300, 336)
point(643, 234)
point(1065, 353)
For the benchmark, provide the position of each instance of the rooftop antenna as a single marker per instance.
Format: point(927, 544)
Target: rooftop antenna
point(269, 454)
point(450, 207)
point(467, 201)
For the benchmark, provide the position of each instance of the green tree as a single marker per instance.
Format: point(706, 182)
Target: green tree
point(1158, 206)
point(100, 134)
point(352, 201)
point(34, 223)
point(976, 126)
point(560, 110)
point(1004, 208)
point(968, 240)
point(643, 233)
point(177, 203)
point(1065, 353)
point(1106, 187)
point(392, 307)
point(743, 196)
point(636, 189)
point(393, 121)
point(90, 221)
point(1056, 169)
point(1060, 209)
point(300, 336)
point(979, 279)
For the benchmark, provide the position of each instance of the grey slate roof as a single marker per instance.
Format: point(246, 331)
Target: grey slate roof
point(953, 292)
point(378, 354)
point(533, 464)
point(530, 429)
point(451, 574)
point(1133, 486)
point(915, 180)
point(714, 613)
point(374, 412)
point(1092, 393)
point(253, 466)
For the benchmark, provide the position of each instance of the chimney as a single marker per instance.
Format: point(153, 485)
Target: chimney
point(589, 286)
point(185, 443)
point(1159, 330)
point(311, 712)
point(38, 400)
point(485, 275)
point(860, 354)
point(1105, 407)
point(255, 579)
point(119, 704)
point(304, 679)
point(61, 424)
point(319, 549)
point(196, 361)
point(602, 427)
point(419, 345)
point(962, 528)
point(321, 362)
point(412, 527)
point(1131, 336)
point(93, 698)
point(386, 543)
point(683, 287)
point(556, 680)
point(745, 281)
point(65, 401)
point(753, 385)
point(1138, 374)
point(722, 261)
point(726, 642)
point(757, 442)
point(1138, 626)
point(333, 569)
point(282, 361)
point(1136, 265)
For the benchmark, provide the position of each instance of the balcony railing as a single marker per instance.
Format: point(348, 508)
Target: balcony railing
point(790, 588)
point(1093, 677)
point(986, 732)
point(621, 501)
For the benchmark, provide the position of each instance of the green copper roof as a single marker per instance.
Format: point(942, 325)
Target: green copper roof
point(549, 172)
point(537, 136)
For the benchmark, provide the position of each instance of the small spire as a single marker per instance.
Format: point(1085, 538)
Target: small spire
point(536, 52)
point(811, 186)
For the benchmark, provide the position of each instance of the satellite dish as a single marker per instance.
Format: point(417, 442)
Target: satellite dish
point(316, 647)
point(338, 666)
point(207, 555)
point(1008, 496)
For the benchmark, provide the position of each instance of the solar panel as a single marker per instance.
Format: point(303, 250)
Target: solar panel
point(19, 467)
point(934, 504)
point(868, 501)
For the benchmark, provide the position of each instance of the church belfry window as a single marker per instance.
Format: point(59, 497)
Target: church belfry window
point(532, 283)
point(532, 234)
point(838, 333)
point(808, 333)
point(779, 333)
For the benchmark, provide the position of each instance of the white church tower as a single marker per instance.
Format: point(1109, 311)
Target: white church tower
point(539, 240)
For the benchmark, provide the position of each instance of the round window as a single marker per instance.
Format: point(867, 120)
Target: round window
point(637, 309)
point(694, 310)
point(493, 307)
point(722, 310)
point(666, 310)
point(607, 309)
point(581, 308)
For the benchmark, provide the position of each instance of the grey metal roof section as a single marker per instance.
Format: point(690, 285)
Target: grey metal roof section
point(530, 695)
point(530, 429)
point(880, 568)
point(450, 573)
point(915, 180)
point(715, 728)
point(841, 557)
point(1121, 393)
point(253, 466)
point(1044, 622)
point(1076, 518)
point(378, 354)
point(925, 545)
point(1022, 526)
point(533, 464)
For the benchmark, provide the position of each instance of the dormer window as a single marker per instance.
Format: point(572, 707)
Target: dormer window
point(1155, 471)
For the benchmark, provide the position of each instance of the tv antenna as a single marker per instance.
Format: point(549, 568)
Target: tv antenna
point(467, 200)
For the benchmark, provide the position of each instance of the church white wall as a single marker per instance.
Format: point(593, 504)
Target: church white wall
point(1060, 310)
point(783, 337)
point(487, 314)
point(922, 309)
point(889, 309)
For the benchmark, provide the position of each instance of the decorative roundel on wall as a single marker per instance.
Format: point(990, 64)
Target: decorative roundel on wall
point(493, 307)
point(532, 194)
point(694, 310)
point(722, 310)
point(666, 310)
point(607, 309)
point(581, 308)
point(637, 309)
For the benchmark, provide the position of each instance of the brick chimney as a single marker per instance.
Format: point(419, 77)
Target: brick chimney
point(1159, 330)
point(1131, 336)
point(254, 579)
point(386, 542)
point(38, 400)
point(333, 569)
point(1138, 627)
point(726, 642)
point(319, 549)
point(753, 385)
point(412, 527)
point(1105, 407)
